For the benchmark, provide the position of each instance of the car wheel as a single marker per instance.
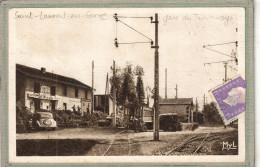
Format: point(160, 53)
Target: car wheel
point(144, 128)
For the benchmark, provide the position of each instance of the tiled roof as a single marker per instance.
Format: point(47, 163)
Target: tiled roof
point(37, 73)
point(176, 101)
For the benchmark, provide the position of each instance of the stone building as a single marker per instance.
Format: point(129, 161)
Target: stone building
point(38, 89)
point(182, 106)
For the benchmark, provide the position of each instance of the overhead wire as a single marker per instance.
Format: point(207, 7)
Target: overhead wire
point(218, 52)
point(134, 29)
point(132, 17)
point(232, 68)
point(133, 42)
point(221, 43)
point(219, 62)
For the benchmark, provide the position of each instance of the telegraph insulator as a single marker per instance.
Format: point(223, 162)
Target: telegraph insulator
point(236, 44)
point(115, 16)
point(151, 42)
point(151, 19)
point(116, 43)
point(236, 61)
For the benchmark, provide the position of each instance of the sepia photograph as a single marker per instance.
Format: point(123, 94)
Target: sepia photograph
point(102, 85)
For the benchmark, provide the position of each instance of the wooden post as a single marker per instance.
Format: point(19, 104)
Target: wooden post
point(114, 94)
point(156, 82)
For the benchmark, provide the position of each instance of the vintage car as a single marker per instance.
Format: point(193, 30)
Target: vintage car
point(42, 120)
point(169, 122)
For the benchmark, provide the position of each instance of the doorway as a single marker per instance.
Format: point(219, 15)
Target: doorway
point(53, 106)
point(37, 105)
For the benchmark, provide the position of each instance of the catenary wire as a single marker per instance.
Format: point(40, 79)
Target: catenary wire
point(222, 44)
point(134, 30)
point(133, 42)
point(133, 17)
point(219, 52)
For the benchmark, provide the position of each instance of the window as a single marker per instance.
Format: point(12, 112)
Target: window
point(65, 106)
point(86, 94)
point(53, 90)
point(36, 87)
point(65, 90)
point(76, 92)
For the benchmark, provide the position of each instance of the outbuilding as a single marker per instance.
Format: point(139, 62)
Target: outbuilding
point(182, 106)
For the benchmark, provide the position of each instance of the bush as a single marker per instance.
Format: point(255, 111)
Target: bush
point(68, 118)
point(23, 115)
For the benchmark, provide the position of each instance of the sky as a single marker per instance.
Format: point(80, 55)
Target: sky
point(67, 40)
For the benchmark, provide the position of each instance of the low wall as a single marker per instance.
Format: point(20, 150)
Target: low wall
point(189, 126)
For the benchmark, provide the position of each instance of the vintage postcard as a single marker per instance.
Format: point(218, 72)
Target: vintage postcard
point(93, 84)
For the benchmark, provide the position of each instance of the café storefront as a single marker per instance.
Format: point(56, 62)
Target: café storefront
point(40, 90)
point(43, 100)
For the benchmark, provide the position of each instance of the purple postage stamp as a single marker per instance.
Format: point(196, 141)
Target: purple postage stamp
point(231, 98)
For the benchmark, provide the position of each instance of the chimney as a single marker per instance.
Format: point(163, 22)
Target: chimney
point(43, 70)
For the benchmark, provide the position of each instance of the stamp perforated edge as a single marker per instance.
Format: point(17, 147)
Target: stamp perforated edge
point(226, 122)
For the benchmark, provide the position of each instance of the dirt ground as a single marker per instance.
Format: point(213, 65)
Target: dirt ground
point(107, 141)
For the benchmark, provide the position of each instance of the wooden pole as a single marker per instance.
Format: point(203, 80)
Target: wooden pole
point(165, 83)
point(156, 82)
point(92, 105)
point(114, 94)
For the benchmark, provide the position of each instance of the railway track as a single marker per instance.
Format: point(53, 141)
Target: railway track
point(193, 144)
point(118, 144)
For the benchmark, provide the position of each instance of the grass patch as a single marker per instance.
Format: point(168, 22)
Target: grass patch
point(53, 147)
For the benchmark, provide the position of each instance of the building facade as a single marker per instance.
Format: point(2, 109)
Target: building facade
point(182, 106)
point(37, 89)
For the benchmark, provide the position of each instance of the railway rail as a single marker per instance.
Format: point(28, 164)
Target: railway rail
point(193, 144)
point(117, 145)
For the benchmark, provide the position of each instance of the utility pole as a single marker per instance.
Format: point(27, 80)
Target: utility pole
point(156, 81)
point(156, 64)
point(191, 112)
point(204, 100)
point(165, 83)
point(176, 89)
point(92, 105)
point(225, 65)
point(106, 91)
point(197, 120)
point(114, 94)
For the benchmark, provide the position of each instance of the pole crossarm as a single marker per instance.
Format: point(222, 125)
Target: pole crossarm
point(128, 17)
point(218, 52)
point(132, 42)
point(235, 42)
point(134, 29)
point(117, 20)
point(218, 62)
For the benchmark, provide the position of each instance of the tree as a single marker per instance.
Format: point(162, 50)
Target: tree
point(140, 85)
point(118, 84)
point(211, 113)
point(128, 93)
